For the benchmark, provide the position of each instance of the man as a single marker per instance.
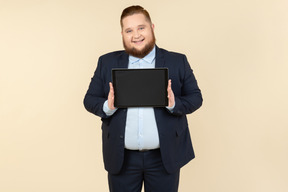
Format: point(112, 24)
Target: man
point(144, 144)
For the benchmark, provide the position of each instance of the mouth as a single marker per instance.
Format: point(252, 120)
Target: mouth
point(138, 42)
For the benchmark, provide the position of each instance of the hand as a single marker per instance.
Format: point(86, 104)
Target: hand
point(111, 97)
point(171, 98)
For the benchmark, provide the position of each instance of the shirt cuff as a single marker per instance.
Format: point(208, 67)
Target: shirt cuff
point(107, 110)
point(171, 108)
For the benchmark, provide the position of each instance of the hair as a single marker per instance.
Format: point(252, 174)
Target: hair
point(135, 9)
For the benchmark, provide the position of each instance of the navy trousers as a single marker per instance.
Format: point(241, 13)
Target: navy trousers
point(143, 167)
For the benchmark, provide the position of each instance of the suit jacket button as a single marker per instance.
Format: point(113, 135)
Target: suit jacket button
point(121, 137)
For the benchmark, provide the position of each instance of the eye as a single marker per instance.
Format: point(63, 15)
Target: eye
point(128, 31)
point(141, 28)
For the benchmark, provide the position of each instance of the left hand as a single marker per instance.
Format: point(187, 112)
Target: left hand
point(171, 98)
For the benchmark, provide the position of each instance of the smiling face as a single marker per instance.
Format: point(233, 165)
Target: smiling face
point(138, 35)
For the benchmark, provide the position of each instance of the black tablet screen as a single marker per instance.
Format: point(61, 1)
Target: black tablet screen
point(140, 87)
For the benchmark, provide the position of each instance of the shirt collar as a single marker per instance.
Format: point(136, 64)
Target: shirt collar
point(148, 58)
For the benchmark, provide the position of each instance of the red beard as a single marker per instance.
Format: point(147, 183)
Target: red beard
point(141, 53)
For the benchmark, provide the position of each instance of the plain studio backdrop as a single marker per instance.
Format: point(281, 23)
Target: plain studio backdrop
point(49, 51)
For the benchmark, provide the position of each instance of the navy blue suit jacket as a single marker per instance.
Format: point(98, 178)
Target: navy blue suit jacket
point(175, 142)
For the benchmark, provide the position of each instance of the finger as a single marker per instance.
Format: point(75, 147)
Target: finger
point(111, 88)
point(169, 85)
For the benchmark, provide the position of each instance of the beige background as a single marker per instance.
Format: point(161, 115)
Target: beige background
point(49, 51)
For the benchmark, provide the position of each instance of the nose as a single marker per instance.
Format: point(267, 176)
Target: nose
point(136, 34)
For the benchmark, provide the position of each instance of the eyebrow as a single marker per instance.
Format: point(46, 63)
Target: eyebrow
point(141, 25)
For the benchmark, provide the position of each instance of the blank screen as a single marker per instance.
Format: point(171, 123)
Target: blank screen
point(140, 87)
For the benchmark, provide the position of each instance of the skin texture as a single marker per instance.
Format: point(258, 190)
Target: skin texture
point(138, 40)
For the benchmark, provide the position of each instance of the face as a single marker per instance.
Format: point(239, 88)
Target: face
point(138, 35)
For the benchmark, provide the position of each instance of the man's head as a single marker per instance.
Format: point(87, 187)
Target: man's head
point(137, 31)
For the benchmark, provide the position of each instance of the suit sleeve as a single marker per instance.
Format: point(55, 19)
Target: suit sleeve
point(190, 98)
point(95, 96)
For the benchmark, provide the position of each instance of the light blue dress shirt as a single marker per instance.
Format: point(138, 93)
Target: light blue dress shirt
point(141, 129)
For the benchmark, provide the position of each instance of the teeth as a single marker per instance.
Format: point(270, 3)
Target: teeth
point(138, 41)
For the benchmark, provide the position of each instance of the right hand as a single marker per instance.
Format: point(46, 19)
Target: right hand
point(111, 97)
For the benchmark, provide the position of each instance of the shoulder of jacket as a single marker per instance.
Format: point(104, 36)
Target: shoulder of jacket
point(113, 54)
point(170, 53)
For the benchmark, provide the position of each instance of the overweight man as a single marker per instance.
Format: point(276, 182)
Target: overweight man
point(144, 145)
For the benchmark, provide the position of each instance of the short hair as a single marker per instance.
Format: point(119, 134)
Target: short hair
point(134, 9)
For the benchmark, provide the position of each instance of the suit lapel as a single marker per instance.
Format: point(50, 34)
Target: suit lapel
point(159, 62)
point(123, 60)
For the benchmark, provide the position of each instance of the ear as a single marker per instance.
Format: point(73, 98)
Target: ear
point(153, 26)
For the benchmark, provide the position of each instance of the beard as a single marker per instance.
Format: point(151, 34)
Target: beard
point(140, 53)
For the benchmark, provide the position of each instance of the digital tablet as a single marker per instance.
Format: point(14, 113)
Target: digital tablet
point(140, 87)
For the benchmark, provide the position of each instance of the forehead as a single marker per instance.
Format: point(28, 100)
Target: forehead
point(134, 21)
